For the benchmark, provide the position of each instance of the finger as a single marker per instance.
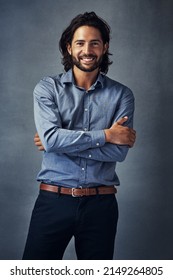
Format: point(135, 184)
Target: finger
point(36, 136)
point(132, 137)
point(36, 139)
point(134, 134)
point(41, 148)
point(132, 141)
point(122, 120)
point(133, 131)
point(38, 144)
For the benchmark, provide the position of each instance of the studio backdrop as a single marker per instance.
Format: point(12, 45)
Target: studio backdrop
point(141, 44)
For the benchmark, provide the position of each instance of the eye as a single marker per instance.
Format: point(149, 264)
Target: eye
point(79, 44)
point(95, 44)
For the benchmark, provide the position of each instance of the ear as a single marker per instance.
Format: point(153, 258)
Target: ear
point(105, 48)
point(69, 48)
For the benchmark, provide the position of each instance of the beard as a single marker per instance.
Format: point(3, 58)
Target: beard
point(89, 68)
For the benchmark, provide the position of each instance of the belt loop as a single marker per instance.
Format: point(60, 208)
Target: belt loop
point(59, 191)
point(97, 191)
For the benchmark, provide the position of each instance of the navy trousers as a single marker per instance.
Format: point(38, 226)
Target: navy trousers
point(57, 218)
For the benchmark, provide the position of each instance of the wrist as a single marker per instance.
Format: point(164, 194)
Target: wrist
point(107, 135)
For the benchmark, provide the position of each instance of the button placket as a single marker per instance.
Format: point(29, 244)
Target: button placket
point(83, 167)
point(86, 112)
point(83, 162)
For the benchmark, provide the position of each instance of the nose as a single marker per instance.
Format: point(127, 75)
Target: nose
point(87, 48)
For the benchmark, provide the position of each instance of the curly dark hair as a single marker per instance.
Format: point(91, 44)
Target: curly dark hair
point(86, 19)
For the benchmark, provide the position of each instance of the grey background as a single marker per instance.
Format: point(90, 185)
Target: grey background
point(141, 44)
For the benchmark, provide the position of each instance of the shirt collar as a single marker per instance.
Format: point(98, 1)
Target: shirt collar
point(69, 78)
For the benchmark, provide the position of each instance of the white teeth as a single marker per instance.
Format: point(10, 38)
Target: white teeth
point(88, 59)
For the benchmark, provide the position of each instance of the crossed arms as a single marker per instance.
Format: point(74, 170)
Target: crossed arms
point(109, 145)
point(117, 134)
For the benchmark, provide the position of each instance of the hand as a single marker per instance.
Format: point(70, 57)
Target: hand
point(38, 142)
point(119, 134)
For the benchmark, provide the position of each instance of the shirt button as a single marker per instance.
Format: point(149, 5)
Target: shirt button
point(89, 156)
point(85, 129)
point(97, 144)
point(83, 169)
point(86, 109)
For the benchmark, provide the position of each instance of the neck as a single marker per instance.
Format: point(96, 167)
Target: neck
point(84, 79)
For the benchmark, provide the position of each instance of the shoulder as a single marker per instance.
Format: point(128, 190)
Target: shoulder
point(48, 85)
point(117, 88)
point(50, 80)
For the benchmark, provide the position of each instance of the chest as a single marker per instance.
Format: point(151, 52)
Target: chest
point(87, 110)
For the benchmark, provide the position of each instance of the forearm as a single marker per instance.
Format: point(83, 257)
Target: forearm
point(68, 141)
point(108, 153)
point(107, 145)
point(96, 145)
point(118, 139)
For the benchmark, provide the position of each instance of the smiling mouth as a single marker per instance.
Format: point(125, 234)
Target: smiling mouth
point(87, 59)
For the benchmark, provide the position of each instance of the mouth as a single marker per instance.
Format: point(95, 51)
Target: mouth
point(87, 59)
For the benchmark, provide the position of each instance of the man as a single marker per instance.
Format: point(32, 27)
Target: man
point(84, 123)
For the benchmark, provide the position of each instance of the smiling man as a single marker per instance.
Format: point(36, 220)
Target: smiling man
point(84, 122)
point(87, 49)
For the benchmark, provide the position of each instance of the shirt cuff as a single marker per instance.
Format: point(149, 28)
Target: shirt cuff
point(97, 138)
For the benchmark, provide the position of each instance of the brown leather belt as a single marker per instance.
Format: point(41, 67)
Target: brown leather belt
point(78, 192)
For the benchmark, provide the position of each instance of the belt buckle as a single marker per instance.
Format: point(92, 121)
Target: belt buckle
point(73, 190)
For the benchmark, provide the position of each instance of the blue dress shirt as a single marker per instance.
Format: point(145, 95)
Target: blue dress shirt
point(71, 121)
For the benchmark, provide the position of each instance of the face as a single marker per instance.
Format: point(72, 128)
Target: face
point(87, 48)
